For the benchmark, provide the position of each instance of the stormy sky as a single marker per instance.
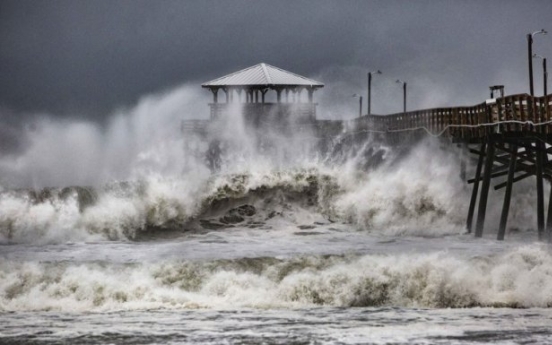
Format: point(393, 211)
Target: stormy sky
point(83, 59)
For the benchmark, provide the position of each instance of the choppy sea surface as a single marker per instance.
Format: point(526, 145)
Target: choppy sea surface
point(292, 286)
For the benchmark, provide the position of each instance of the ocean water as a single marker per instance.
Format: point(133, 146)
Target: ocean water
point(123, 235)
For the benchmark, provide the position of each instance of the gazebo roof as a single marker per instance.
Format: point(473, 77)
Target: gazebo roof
point(262, 75)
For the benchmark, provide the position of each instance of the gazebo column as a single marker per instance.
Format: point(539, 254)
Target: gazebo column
point(256, 96)
point(287, 95)
point(239, 95)
point(263, 92)
point(215, 95)
point(226, 94)
point(279, 95)
point(311, 92)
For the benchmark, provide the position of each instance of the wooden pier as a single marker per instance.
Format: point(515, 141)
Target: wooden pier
point(511, 136)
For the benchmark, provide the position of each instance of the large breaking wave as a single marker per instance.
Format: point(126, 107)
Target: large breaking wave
point(394, 199)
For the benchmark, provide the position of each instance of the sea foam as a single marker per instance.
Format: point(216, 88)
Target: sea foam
point(520, 277)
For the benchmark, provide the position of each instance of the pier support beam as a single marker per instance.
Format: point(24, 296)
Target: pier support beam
point(540, 189)
point(475, 189)
point(549, 217)
point(508, 193)
point(485, 188)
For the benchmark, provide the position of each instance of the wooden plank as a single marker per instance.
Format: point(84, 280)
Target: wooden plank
point(469, 122)
point(520, 113)
point(458, 120)
point(516, 112)
point(465, 120)
point(493, 175)
point(516, 179)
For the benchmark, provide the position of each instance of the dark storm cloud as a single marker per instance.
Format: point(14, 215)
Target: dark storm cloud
point(85, 58)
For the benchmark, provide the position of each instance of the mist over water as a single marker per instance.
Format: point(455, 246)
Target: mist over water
point(133, 143)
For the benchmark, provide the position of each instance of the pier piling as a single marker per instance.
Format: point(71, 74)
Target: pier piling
point(489, 161)
point(475, 189)
point(508, 193)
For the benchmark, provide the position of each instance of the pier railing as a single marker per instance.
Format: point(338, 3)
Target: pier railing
point(512, 114)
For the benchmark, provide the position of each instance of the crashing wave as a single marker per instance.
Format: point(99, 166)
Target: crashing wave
point(126, 210)
point(420, 193)
point(517, 279)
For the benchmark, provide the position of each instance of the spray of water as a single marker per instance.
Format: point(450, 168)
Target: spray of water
point(140, 172)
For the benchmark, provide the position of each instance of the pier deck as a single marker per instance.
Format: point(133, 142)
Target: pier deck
point(511, 136)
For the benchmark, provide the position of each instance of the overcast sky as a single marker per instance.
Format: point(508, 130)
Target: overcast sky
point(72, 58)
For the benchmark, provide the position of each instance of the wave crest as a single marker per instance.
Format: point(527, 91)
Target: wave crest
point(519, 278)
point(122, 211)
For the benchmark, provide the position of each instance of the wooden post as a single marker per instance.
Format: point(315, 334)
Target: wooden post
point(215, 95)
point(485, 187)
point(539, 146)
point(475, 189)
point(549, 218)
point(508, 193)
point(263, 93)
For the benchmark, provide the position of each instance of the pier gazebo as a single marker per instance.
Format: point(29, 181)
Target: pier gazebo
point(249, 88)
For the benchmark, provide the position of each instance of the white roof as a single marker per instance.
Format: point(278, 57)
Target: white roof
point(262, 75)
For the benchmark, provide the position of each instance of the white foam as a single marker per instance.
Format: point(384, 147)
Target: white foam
point(421, 194)
point(518, 278)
